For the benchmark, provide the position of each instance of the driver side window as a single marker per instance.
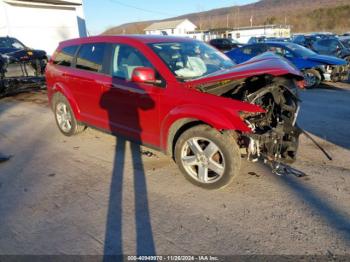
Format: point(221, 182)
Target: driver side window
point(125, 59)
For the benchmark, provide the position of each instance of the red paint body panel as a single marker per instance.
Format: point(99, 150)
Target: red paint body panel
point(144, 112)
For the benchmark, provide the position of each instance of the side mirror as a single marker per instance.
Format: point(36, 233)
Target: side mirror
point(144, 75)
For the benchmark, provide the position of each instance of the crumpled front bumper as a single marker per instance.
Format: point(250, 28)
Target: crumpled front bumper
point(336, 73)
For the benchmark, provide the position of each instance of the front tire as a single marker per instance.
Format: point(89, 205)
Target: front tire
point(207, 158)
point(312, 78)
point(65, 119)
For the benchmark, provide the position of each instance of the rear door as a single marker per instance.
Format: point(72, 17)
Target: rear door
point(61, 66)
point(85, 80)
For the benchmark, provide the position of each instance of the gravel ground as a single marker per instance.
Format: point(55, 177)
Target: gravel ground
point(93, 194)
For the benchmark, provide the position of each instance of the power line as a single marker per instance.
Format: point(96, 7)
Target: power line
point(139, 8)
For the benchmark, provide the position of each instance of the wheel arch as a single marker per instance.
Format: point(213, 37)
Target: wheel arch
point(58, 90)
point(184, 117)
point(177, 129)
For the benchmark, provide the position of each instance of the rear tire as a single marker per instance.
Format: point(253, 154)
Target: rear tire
point(65, 119)
point(207, 158)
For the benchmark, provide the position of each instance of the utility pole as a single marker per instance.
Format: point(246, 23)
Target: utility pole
point(200, 10)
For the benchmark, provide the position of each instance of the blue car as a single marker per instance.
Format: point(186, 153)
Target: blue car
point(315, 67)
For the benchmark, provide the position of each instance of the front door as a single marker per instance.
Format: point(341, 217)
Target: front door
point(130, 109)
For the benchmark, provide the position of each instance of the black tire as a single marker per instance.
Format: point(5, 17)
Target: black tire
point(347, 58)
point(317, 78)
point(75, 127)
point(229, 156)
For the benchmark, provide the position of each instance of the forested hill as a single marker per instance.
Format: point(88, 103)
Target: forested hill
point(303, 15)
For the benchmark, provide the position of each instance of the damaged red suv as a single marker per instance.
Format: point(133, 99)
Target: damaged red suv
point(180, 96)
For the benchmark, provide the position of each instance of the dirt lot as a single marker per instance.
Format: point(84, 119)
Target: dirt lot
point(91, 194)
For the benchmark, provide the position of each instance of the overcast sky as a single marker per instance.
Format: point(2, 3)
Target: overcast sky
point(102, 14)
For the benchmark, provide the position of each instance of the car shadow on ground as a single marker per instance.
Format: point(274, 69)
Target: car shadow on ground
point(113, 243)
point(325, 112)
point(4, 157)
point(337, 219)
point(134, 104)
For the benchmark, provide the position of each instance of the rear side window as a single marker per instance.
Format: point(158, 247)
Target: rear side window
point(90, 57)
point(65, 56)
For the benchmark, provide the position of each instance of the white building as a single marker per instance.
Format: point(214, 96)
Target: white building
point(203, 35)
point(175, 28)
point(243, 34)
point(42, 24)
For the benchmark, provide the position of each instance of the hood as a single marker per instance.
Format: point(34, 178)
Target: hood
point(327, 60)
point(266, 63)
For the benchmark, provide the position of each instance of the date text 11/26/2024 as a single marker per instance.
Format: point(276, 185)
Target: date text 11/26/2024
point(173, 258)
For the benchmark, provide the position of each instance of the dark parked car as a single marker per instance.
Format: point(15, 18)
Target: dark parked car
point(181, 96)
point(263, 39)
point(256, 39)
point(315, 67)
point(332, 47)
point(224, 44)
point(20, 67)
point(308, 40)
point(345, 40)
point(16, 50)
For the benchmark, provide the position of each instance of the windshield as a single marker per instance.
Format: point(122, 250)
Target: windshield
point(233, 41)
point(7, 42)
point(190, 60)
point(300, 50)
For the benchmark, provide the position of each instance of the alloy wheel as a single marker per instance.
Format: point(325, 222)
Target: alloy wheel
point(310, 79)
point(64, 117)
point(203, 160)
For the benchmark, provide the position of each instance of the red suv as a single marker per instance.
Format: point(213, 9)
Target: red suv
point(180, 96)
